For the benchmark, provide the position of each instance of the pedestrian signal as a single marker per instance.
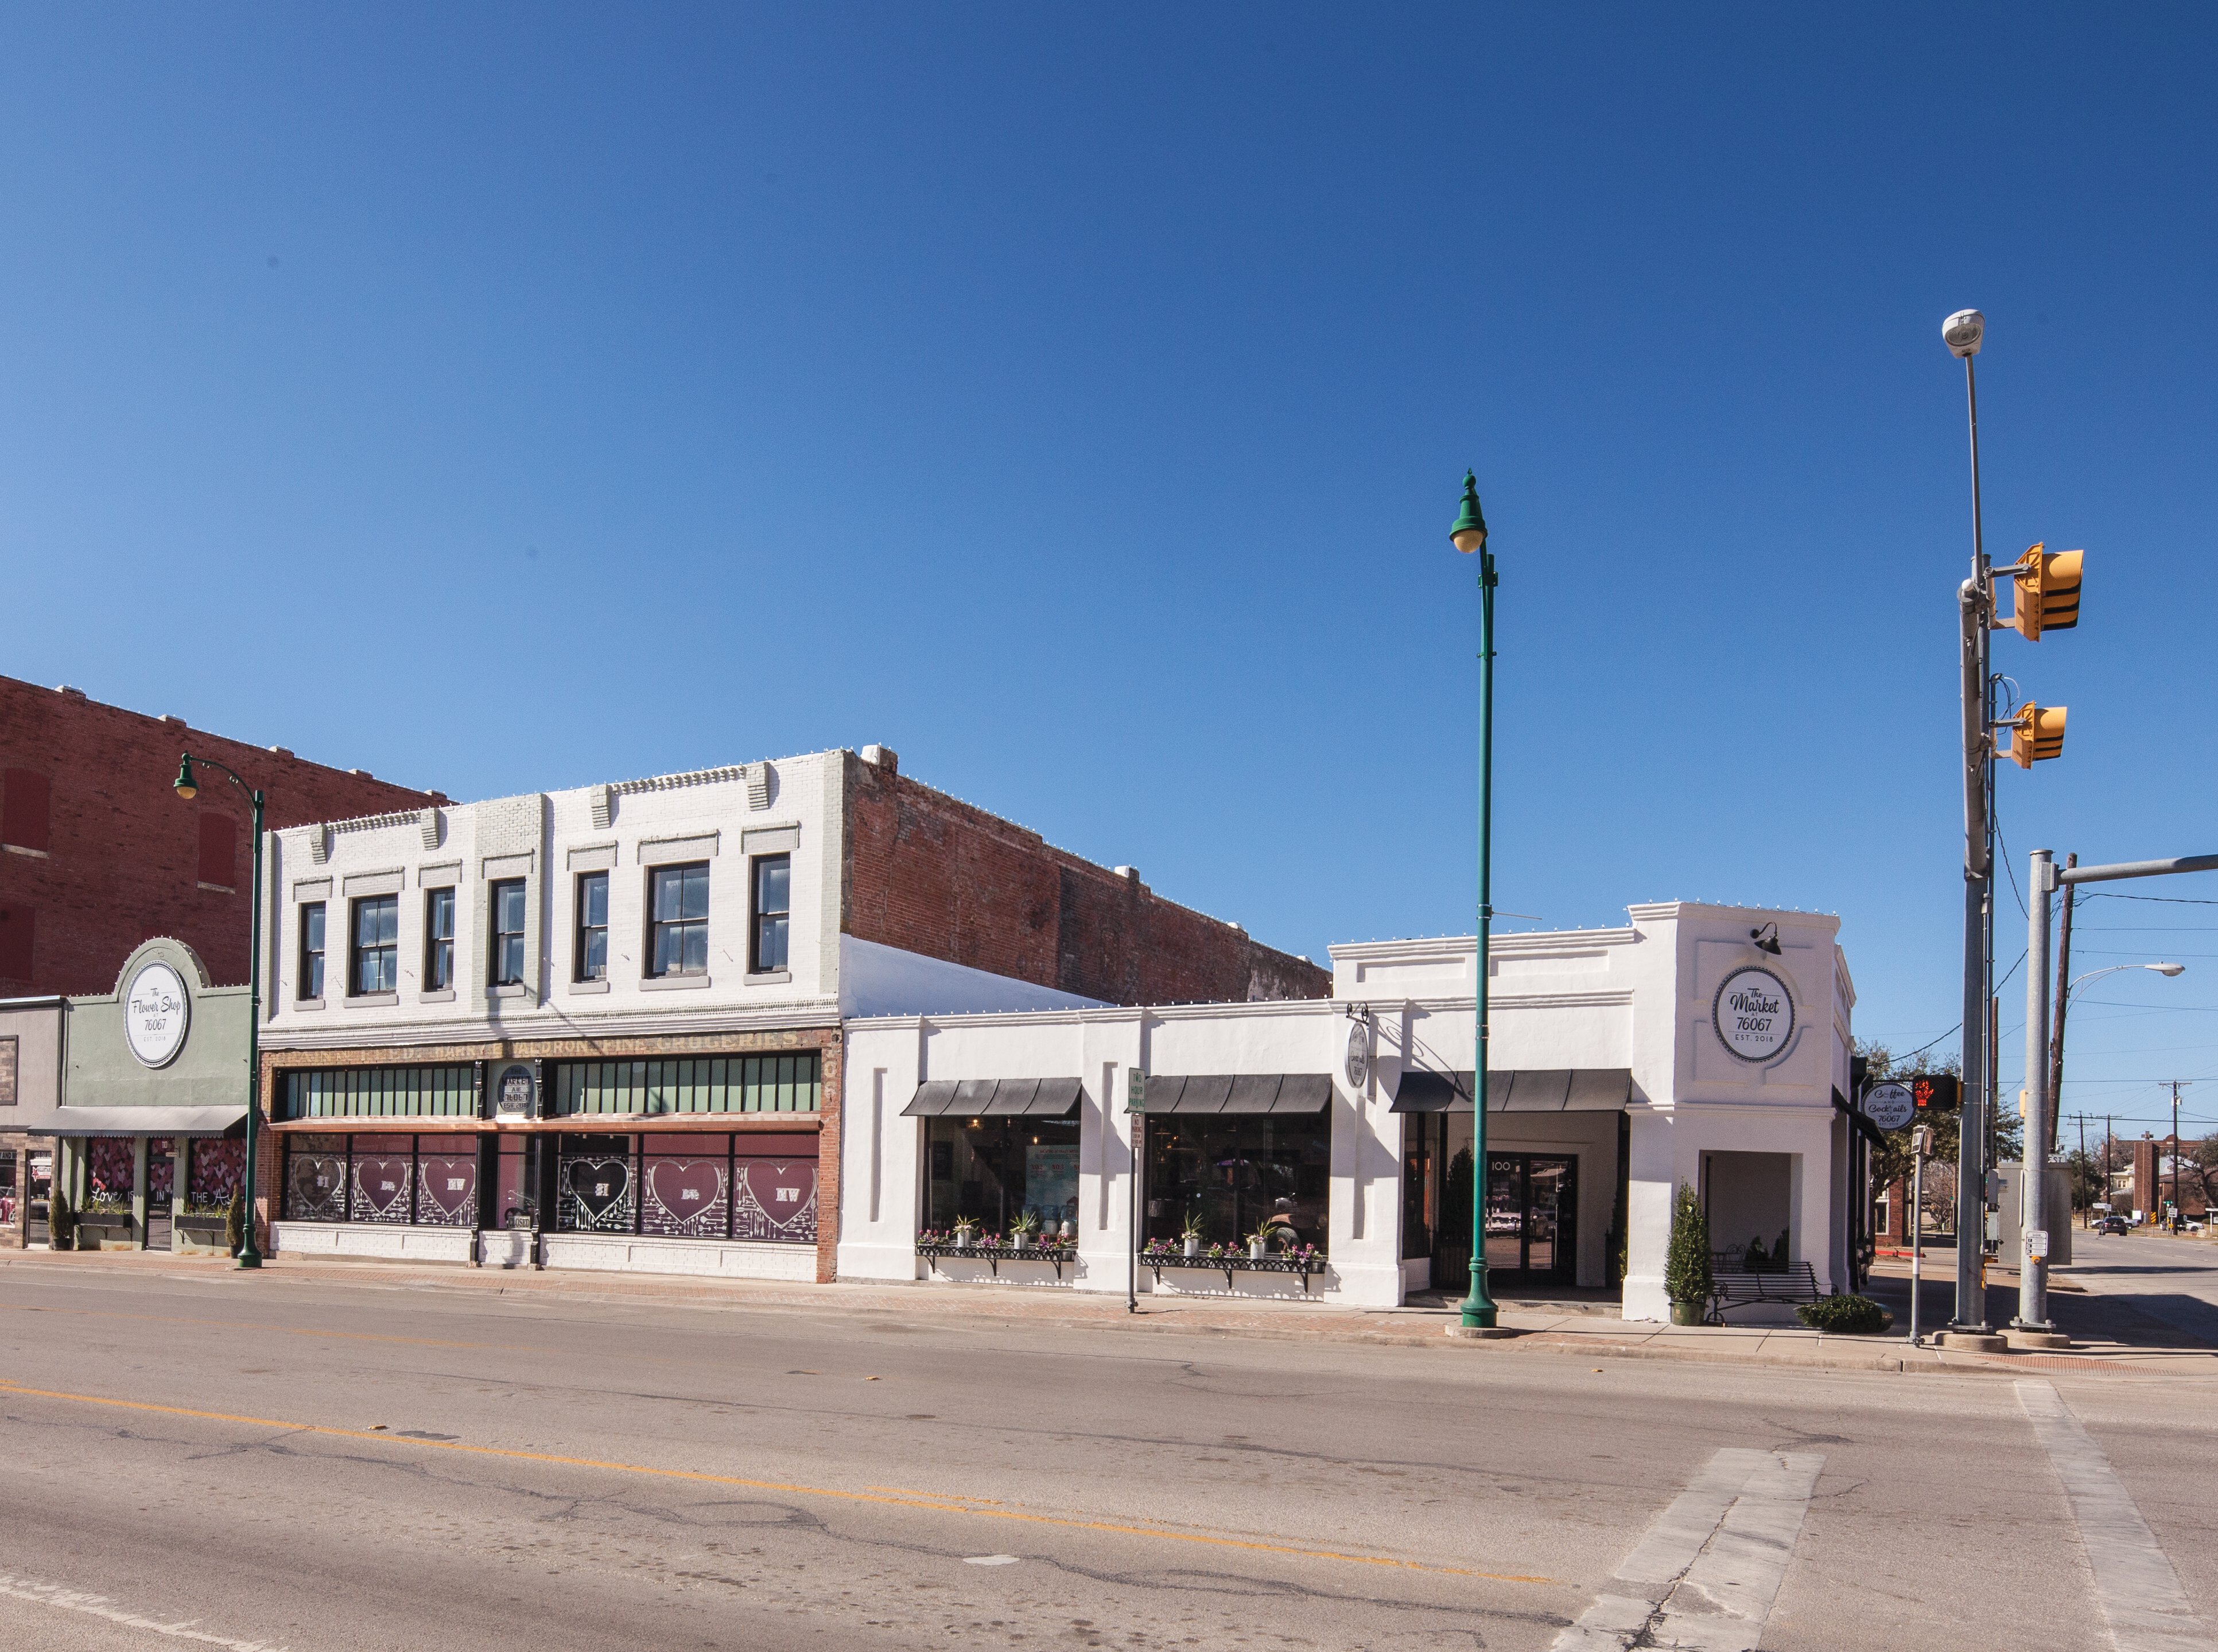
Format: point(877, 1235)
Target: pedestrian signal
point(1937, 1093)
point(2047, 592)
point(2037, 735)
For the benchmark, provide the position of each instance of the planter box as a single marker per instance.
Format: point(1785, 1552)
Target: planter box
point(105, 1234)
point(198, 1236)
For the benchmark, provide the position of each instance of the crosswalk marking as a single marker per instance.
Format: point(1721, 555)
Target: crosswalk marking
point(1704, 1576)
point(2136, 1587)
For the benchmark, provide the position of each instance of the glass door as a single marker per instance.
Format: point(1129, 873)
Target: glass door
point(1531, 1220)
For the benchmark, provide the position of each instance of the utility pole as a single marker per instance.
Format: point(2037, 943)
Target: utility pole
point(2033, 1189)
point(1963, 332)
point(2063, 976)
point(2085, 1201)
point(2176, 1206)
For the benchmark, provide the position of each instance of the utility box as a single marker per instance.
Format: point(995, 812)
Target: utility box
point(2011, 1223)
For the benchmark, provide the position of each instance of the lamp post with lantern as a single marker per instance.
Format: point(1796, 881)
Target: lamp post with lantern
point(188, 788)
point(1468, 534)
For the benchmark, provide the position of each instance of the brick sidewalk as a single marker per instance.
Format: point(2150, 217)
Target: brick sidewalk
point(1541, 1328)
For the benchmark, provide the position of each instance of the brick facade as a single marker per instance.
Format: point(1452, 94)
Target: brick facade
point(931, 875)
point(100, 852)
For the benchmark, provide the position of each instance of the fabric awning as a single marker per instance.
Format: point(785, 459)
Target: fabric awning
point(141, 1121)
point(1526, 1090)
point(1242, 1093)
point(995, 1098)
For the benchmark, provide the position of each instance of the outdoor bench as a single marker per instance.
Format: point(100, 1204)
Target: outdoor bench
point(1732, 1287)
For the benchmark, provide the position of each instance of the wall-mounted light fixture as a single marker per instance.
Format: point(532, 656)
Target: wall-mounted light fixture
point(1766, 939)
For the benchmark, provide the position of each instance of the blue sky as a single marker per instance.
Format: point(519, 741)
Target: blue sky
point(1074, 399)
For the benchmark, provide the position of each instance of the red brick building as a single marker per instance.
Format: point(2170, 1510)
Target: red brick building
point(97, 852)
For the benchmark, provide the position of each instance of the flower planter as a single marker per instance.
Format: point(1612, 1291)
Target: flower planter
point(105, 1234)
point(1255, 1249)
point(199, 1236)
point(1020, 1241)
point(1192, 1247)
point(1685, 1312)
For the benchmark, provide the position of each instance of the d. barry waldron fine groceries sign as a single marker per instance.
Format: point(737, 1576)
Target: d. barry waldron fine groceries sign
point(1754, 1013)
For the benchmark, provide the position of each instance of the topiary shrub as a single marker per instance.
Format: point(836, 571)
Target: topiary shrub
point(1844, 1315)
point(234, 1223)
point(1687, 1265)
point(61, 1223)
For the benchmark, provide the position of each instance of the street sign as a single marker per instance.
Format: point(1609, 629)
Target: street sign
point(1890, 1104)
point(1136, 1091)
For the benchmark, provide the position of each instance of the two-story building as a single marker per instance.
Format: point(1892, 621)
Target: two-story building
point(602, 1028)
point(1697, 1045)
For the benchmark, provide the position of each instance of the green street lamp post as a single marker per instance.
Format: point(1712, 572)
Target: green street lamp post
point(1469, 535)
point(249, 1254)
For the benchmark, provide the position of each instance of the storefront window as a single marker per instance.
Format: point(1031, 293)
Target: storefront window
point(218, 1166)
point(315, 1178)
point(447, 1181)
point(107, 1168)
point(383, 1177)
point(689, 1185)
point(991, 1171)
point(1229, 1174)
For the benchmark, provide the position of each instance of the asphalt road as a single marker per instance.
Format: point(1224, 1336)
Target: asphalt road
point(2174, 1280)
point(232, 1461)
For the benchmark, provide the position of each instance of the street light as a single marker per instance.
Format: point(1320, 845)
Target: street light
point(187, 787)
point(1469, 535)
point(2161, 968)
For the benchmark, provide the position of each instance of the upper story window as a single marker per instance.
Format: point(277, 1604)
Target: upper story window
point(376, 944)
point(508, 932)
point(26, 809)
point(438, 939)
point(681, 920)
point(312, 950)
point(773, 896)
point(592, 960)
point(219, 861)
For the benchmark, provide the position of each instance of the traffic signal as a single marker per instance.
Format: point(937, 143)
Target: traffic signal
point(2047, 592)
point(2037, 735)
point(1937, 1093)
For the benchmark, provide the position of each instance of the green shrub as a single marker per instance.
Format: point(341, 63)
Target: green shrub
point(1844, 1315)
point(234, 1223)
point(61, 1223)
point(1687, 1266)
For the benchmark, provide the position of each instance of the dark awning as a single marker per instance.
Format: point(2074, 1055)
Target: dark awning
point(1527, 1090)
point(228, 1120)
point(1243, 1093)
point(995, 1098)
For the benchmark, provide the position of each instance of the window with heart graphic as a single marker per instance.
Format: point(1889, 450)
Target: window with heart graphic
point(685, 1197)
point(381, 1188)
point(778, 1200)
point(317, 1188)
point(602, 1188)
point(448, 1190)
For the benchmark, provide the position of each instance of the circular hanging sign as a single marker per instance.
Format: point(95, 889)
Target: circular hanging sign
point(1359, 1055)
point(155, 1013)
point(1889, 1105)
point(1753, 1013)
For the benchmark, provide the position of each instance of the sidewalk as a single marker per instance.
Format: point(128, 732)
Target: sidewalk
point(1564, 1329)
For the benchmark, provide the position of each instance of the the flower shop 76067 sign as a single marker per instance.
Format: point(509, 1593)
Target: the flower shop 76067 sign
point(155, 1014)
point(1754, 1013)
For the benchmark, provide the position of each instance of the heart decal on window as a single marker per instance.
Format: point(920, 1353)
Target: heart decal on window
point(599, 1184)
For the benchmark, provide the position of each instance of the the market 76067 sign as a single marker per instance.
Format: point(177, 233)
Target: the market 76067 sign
point(155, 1014)
point(1754, 1013)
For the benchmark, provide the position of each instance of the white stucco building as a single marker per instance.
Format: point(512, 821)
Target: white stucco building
point(1698, 1043)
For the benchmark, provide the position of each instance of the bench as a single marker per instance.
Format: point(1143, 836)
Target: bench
point(1735, 1286)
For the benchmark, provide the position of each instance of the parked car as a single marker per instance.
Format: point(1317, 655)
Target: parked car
point(2112, 1225)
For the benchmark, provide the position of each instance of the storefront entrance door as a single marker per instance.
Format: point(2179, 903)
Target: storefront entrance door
point(1531, 1221)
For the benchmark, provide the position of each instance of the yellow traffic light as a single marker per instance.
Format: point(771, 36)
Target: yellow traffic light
point(2037, 735)
point(2047, 592)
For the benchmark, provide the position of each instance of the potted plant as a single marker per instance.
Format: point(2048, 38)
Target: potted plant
point(61, 1223)
point(1687, 1278)
point(1022, 1227)
point(1190, 1234)
point(234, 1223)
point(1274, 1227)
point(966, 1229)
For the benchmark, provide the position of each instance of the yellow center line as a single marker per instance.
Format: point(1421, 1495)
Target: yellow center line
point(937, 1504)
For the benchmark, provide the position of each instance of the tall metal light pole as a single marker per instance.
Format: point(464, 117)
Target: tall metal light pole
point(1469, 535)
point(1962, 333)
point(187, 787)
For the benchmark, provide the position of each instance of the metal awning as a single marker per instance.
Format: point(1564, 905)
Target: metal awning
point(1242, 1093)
point(995, 1098)
point(140, 1121)
point(1526, 1090)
